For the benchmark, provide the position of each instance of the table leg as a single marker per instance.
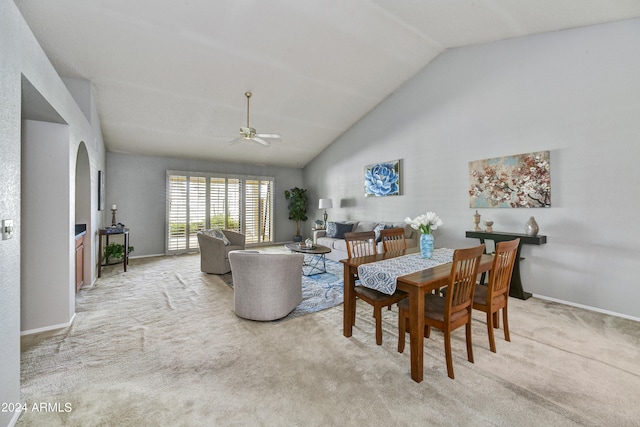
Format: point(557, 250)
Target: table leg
point(349, 301)
point(99, 255)
point(416, 328)
point(516, 282)
point(126, 251)
point(313, 264)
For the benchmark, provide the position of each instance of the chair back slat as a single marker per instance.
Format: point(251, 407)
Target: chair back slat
point(502, 269)
point(462, 279)
point(361, 243)
point(393, 239)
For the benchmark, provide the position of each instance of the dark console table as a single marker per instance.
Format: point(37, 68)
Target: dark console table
point(111, 232)
point(516, 283)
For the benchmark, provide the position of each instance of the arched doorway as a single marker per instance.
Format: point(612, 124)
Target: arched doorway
point(84, 242)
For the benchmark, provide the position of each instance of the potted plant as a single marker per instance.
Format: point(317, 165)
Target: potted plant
point(297, 198)
point(115, 251)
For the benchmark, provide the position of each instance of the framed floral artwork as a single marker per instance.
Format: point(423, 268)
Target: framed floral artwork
point(520, 181)
point(382, 179)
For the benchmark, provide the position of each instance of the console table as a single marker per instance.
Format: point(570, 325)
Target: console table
point(516, 283)
point(112, 232)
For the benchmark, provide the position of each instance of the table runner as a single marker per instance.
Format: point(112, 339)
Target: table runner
point(382, 275)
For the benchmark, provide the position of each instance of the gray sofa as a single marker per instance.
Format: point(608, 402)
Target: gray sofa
point(339, 247)
point(265, 286)
point(214, 251)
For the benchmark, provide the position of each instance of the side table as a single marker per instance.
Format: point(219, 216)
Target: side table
point(110, 232)
point(516, 283)
point(316, 261)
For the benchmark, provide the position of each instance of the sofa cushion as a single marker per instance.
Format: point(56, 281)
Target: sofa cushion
point(336, 230)
point(339, 245)
point(341, 229)
point(365, 226)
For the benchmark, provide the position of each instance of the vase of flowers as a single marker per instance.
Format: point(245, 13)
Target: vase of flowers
point(425, 224)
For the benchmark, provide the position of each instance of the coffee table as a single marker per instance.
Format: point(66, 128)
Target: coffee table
point(315, 263)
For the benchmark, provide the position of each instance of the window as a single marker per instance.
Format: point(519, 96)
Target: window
point(199, 201)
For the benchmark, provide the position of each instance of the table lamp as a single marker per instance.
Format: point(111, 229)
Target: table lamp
point(114, 209)
point(325, 204)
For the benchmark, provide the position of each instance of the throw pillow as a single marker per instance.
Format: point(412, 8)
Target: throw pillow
point(218, 234)
point(377, 231)
point(331, 229)
point(341, 229)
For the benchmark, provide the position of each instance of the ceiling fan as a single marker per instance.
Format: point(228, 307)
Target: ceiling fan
point(250, 133)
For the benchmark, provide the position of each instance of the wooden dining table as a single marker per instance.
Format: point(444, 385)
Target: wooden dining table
point(416, 285)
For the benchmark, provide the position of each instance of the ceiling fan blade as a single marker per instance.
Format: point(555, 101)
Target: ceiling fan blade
point(236, 140)
point(250, 133)
point(269, 135)
point(261, 141)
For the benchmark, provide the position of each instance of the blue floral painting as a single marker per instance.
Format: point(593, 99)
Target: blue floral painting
point(382, 179)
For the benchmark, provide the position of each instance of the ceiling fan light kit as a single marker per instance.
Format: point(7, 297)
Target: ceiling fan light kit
point(250, 133)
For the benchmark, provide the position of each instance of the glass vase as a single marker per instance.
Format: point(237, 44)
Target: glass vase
point(426, 245)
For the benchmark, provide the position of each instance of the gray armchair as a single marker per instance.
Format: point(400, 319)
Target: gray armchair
point(266, 286)
point(214, 252)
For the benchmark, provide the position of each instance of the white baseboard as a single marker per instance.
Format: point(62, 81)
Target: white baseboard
point(14, 419)
point(48, 328)
point(145, 256)
point(588, 307)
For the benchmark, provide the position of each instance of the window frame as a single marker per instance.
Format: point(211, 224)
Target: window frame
point(176, 244)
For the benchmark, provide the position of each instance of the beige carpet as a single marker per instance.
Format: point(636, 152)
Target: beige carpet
point(161, 346)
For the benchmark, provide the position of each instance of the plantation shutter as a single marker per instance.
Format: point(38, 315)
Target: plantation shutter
point(197, 197)
point(199, 201)
point(177, 200)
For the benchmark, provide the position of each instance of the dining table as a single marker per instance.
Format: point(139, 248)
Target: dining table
point(416, 285)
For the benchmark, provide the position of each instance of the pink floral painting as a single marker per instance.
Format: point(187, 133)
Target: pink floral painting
point(521, 181)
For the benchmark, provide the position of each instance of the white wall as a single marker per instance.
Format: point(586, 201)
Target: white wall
point(136, 184)
point(46, 243)
point(22, 57)
point(574, 93)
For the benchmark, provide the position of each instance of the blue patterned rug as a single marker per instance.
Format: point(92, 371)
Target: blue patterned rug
point(319, 292)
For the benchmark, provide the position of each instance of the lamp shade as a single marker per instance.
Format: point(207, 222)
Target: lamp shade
point(325, 204)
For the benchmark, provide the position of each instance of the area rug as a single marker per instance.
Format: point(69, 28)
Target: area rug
point(319, 291)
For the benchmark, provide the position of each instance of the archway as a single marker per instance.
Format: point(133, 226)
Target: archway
point(83, 214)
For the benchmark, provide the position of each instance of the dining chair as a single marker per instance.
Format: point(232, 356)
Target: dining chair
point(393, 239)
point(363, 243)
point(451, 311)
point(495, 295)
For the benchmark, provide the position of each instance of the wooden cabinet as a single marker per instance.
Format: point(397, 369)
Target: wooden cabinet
point(79, 262)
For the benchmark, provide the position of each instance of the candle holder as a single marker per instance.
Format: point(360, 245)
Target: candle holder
point(488, 226)
point(476, 221)
point(113, 217)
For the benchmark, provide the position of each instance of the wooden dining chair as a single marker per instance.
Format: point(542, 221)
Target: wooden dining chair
point(363, 243)
point(451, 311)
point(393, 239)
point(495, 296)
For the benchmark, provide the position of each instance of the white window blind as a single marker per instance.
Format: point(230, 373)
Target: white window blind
point(198, 201)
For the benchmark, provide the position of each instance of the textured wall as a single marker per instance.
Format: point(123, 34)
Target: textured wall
point(22, 60)
point(137, 185)
point(9, 208)
point(572, 92)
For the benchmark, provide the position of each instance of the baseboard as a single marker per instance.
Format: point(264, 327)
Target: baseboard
point(145, 256)
point(588, 307)
point(14, 419)
point(48, 328)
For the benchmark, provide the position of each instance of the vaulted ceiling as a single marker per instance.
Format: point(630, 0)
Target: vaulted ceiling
point(170, 76)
